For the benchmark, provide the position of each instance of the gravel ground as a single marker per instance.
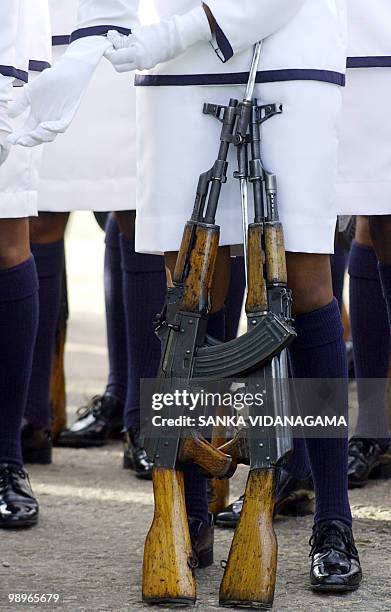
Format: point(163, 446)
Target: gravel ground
point(94, 516)
point(89, 542)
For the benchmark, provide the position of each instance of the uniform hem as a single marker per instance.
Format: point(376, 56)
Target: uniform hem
point(355, 198)
point(101, 196)
point(18, 205)
point(155, 241)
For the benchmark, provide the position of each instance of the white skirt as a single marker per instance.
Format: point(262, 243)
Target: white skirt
point(364, 182)
point(176, 143)
point(19, 178)
point(93, 165)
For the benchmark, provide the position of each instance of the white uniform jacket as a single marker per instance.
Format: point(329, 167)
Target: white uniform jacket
point(93, 165)
point(303, 58)
point(314, 31)
point(364, 185)
point(25, 49)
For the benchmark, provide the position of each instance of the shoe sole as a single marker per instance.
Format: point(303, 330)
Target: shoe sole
point(226, 523)
point(144, 476)
point(113, 434)
point(80, 444)
point(338, 588)
point(18, 524)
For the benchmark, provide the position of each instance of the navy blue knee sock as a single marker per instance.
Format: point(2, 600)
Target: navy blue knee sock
point(49, 261)
point(339, 264)
point(319, 352)
point(217, 325)
point(144, 289)
point(298, 463)
point(385, 278)
point(115, 313)
point(195, 493)
point(18, 328)
point(371, 341)
point(234, 301)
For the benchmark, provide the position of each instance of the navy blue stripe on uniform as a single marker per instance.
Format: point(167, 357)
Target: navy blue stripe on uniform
point(58, 41)
point(11, 71)
point(100, 30)
point(239, 78)
point(224, 50)
point(374, 61)
point(38, 66)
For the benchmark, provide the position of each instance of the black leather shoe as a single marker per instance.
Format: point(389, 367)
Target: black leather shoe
point(100, 420)
point(135, 456)
point(18, 506)
point(229, 517)
point(335, 565)
point(294, 498)
point(367, 459)
point(202, 540)
point(36, 445)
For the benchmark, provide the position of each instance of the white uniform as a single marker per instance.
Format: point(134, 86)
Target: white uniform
point(93, 165)
point(24, 51)
point(365, 156)
point(304, 58)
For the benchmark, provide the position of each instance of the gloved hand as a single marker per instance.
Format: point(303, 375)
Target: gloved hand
point(55, 96)
point(5, 125)
point(151, 45)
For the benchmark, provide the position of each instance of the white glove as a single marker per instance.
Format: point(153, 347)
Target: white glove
point(151, 45)
point(55, 96)
point(5, 126)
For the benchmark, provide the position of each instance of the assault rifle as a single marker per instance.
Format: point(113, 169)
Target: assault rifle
point(188, 354)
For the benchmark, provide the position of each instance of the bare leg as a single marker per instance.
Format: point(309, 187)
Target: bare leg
point(48, 227)
point(14, 242)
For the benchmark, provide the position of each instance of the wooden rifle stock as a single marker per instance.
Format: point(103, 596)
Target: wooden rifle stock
point(57, 378)
point(250, 574)
point(167, 568)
